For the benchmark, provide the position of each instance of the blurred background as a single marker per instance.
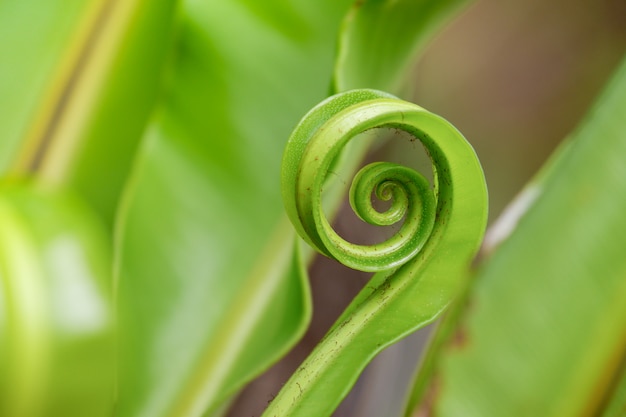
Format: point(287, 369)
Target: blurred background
point(515, 77)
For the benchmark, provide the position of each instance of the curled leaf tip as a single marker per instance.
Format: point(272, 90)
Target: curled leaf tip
point(443, 223)
point(317, 142)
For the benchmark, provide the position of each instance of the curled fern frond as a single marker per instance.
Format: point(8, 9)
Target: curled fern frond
point(419, 269)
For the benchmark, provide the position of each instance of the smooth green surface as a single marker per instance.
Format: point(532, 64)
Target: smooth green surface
point(544, 334)
point(56, 324)
point(77, 91)
point(30, 60)
point(209, 294)
point(617, 402)
point(417, 285)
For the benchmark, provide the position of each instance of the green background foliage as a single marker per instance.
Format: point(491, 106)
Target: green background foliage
point(147, 136)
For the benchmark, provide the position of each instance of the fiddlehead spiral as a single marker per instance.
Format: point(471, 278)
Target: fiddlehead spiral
point(419, 269)
point(312, 149)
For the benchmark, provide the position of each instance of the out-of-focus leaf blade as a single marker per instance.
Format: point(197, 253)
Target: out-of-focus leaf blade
point(78, 81)
point(380, 39)
point(544, 331)
point(56, 315)
point(119, 88)
point(30, 62)
point(91, 74)
point(211, 291)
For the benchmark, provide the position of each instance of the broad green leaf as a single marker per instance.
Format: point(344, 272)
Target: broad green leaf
point(210, 289)
point(56, 313)
point(544, 331)
point(81, 79)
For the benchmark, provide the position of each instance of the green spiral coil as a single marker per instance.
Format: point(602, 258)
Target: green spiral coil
point(419, 270)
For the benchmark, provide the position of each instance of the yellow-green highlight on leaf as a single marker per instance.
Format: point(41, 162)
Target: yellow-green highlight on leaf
point(421, 267)
point(56, 312)
point(544, 333)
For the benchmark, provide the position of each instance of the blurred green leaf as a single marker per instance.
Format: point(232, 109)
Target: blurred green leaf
point(79, 89)
point(78, 81)
point(30, 68)
point(56, 315)
point(210, 289)
point(544, 330)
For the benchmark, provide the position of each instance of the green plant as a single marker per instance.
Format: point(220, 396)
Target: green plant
point(140, 207)
point(416, 279)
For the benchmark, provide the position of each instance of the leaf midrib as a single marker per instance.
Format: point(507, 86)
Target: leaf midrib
point(57, 124)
